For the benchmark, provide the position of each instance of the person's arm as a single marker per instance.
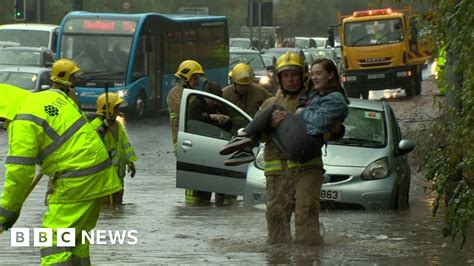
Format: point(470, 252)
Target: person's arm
point(174, 102)
point(319, 117)
point(24, 137)
point(128, 150)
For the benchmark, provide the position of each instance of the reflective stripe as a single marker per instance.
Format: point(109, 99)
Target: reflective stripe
point(130, 154)
point(47, 251)
point(8, 214)
point(317, 162)
point(88, 171)
point(21, 160)
point(63, 138)
point(173, 115)
point(41, 122)
point(275, 165)
point(76, 261)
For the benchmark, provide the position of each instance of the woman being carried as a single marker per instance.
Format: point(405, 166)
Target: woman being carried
point(299, 135)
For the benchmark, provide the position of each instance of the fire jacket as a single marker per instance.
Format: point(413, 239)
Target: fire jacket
point(174, 102)
point(249, 101)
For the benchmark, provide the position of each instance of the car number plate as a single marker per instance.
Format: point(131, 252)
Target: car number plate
point(335, 195)
point(376, 76)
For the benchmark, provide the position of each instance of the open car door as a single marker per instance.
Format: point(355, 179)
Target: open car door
point(199, 164)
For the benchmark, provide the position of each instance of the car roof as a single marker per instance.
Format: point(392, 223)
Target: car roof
point(284, 49)
point(25, 69)
point(29, 26)
point(243, 51)
point(25, 48)
point(367, 104)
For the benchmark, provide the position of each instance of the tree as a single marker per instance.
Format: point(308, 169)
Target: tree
point(448, 153)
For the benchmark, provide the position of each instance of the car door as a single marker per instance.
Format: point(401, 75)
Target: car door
point(199, 165)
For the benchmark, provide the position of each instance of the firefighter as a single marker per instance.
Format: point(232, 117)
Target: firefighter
point(115, 139)
point(291, 185)
point(243, 92)
point(187, 76)
point(46, 128)
point(248, 96)
point(67, 86)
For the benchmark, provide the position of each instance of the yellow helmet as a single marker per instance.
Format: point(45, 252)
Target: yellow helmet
point(290, 60)
point(62, 70)
point(242, 74)
point(114, 100)
point(188, 68)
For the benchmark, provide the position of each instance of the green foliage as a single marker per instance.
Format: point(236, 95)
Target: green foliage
point(448, 153)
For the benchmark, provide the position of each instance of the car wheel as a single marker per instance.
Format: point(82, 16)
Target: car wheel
point(365, 94)
point(140, 105)
point(418, 83)
point(403, 195)
point(410, 89)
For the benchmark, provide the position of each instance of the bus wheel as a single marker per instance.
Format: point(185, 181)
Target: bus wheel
point(140, 105)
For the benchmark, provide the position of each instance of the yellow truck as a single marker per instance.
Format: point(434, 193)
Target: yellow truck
point(382, 49)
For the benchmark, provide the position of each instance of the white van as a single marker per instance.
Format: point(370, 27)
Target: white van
point(30, 34)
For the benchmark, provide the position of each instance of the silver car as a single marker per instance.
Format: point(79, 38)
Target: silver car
point(368, 168)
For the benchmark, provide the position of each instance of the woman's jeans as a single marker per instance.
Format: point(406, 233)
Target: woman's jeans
point(290, 135)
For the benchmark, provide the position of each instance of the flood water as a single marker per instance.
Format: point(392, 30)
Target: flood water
point(170, 232)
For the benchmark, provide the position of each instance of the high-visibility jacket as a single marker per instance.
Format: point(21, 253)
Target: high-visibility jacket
point(275, 160)
point(49, 130)
point(120, 150)
point(174, 102)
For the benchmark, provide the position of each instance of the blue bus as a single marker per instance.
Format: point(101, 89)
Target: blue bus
point(136, 55)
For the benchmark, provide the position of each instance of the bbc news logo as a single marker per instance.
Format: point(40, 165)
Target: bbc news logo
point(66, 237)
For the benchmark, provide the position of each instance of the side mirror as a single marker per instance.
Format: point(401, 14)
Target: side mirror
point(405, 146)
point(45, 87)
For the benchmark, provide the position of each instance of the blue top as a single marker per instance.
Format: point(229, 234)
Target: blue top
point(321, 111)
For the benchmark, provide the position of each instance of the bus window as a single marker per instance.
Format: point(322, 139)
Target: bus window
point(173, 51)
point(219, 47)
point(204, 46)
point(189, 45)
point(139, 68)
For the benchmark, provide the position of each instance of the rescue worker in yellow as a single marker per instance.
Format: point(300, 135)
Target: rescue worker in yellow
point(47, 128)
point(115, 139)
point(187, 76)
point(291, 185)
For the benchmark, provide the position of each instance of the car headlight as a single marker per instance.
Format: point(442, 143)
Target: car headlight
point(264, 80)
point(259, 162)
point(376, 170)
point(122, 93)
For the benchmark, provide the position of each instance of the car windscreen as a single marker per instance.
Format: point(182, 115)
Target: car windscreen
point(22, 80)
point(253, 59)
point(18, 57)
point(373, 32)
point(27, 38)
point(240, 43)
point(364, 128)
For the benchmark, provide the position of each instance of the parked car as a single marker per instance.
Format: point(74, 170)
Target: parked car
point(31, 34)
point(305, 42)
point(328, 52)
point(277, 52)
point(27, 77)
point(26, 56)
point(242, 43)
point(321, 42)
point(255, 60)
point(368, 168)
